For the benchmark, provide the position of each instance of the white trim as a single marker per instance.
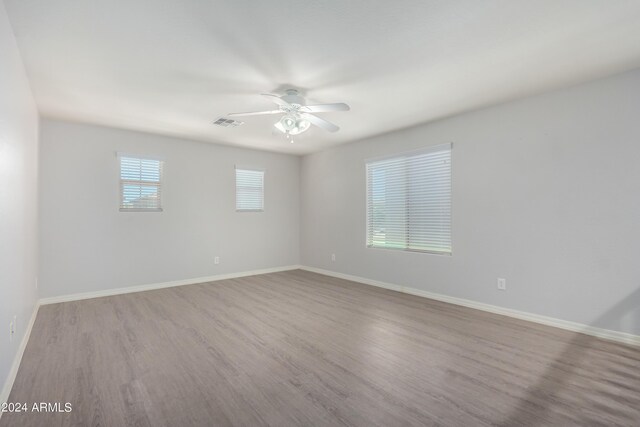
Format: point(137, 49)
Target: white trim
point(607, 334)
point(139, 156)
point(152, 286)
point(240, 167)
point(412, 152)
point(8, 384)
point(550, 321)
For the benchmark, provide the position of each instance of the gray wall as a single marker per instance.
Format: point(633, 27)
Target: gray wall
point(87, 245)
point(18, 197)
point(546, 193)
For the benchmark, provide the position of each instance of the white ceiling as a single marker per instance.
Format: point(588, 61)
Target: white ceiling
point(172, 66)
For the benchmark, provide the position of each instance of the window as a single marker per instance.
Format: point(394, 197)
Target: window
point(140, 184)
point(249, 190)
point(409, 201)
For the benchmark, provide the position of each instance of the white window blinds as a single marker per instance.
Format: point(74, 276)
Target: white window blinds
point(409, 201)
point(140, 184)
point(249, 190)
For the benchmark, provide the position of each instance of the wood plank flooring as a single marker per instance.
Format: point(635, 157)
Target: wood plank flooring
point(298, 348)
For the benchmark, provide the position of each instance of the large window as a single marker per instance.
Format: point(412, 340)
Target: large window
point(140, 184)
point(249, 190)
point(409, 201)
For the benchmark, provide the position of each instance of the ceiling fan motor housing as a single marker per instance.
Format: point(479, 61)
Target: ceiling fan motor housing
point(293, 97)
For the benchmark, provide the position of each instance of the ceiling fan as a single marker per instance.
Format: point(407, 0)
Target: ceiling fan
point(298, 116)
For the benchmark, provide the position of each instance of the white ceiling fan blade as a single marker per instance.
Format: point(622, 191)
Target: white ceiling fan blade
point(277, 99)
point(321, 123)
point(323, 108)
point(255, 113)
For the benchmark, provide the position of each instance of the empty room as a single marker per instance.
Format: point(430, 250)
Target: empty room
point(320, 213)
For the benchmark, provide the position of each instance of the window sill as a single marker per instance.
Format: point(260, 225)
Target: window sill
point(422, 251)
point(140, 210)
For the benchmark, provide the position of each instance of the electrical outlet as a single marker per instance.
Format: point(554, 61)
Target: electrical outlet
point(216, 260)
point(502, 284)
point(333, 257)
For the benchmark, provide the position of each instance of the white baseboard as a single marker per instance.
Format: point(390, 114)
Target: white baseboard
point(8, 384)
point(6, 389)
point(617, 336)
point(545, 320)
point(153, 286)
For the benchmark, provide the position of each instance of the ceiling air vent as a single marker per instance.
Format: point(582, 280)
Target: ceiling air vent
point(227, 123)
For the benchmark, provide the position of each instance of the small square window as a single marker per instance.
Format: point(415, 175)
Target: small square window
point(249, 190)
point(140, 184)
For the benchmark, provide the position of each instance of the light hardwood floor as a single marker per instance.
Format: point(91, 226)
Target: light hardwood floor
point(298, 348)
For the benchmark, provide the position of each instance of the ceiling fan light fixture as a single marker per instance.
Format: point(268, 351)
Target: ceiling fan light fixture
point(288, 123)
point(302, 125)
point(292, 125)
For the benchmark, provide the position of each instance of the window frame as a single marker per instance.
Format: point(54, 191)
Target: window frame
point(123, 182)
point(407, 154)
point(262, 188)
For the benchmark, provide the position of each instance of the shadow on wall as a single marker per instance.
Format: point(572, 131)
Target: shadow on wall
point(588, 367)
